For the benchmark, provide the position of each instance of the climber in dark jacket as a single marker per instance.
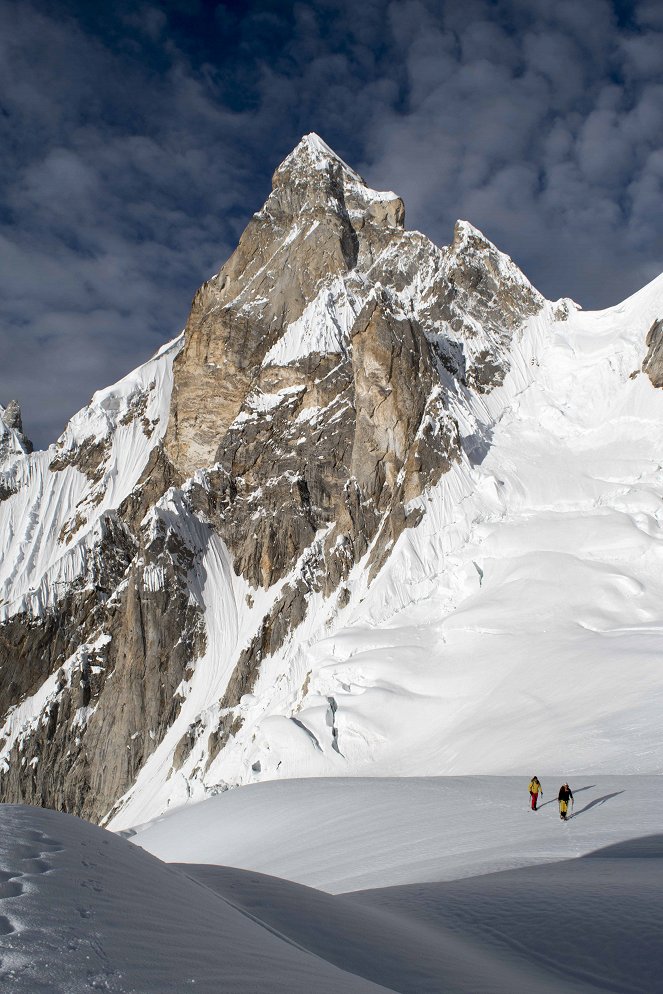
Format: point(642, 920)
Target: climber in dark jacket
point(565, 795)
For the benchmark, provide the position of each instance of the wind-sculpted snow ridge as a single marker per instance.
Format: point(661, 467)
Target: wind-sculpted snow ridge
point(398, 514)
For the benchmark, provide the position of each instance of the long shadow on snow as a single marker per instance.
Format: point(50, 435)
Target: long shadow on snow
point(581, 925)
point(646, 847)
point(404, 955)
point(598, 800)
point(579, 790)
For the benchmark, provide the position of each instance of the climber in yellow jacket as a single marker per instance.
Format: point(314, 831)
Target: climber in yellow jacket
point(535, 789)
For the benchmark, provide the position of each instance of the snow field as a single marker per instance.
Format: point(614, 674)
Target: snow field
point(81, 909)
point(447, 884)
point(364, 833)
point(402, 885)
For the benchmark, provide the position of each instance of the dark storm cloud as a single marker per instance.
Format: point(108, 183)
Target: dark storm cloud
point(138, 139)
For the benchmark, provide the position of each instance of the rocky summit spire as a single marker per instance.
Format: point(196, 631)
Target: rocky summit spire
point(320, 222)
point(312, 154)
point(314, 180)
point(12, 438)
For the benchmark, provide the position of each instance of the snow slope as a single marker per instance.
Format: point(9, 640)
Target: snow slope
point(51, 523)
point(584, 925)
point(357, 833)
point(580, 910)
point(81, 909)
point(324, 326)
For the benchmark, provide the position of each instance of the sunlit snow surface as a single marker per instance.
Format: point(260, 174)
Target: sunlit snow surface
point(323, 327)
point(346, 885)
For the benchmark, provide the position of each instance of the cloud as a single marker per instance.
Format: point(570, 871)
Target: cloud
point(122, 199)
point(541, 126)
point(138, 139)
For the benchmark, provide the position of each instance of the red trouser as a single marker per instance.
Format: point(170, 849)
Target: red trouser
point(534, 799)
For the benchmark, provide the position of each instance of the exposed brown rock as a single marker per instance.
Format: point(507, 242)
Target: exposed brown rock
point(82, 764)
point(90, 457)
point(13, 420)
point(653, 364)
point(8, 487)
point(237, 316)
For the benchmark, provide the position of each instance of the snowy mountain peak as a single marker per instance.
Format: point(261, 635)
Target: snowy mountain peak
point(469, 242)
point(11, 416)
point(13, 441)
point(313, 152)
point(257, 555)
point(313, 178)
point(464, 231)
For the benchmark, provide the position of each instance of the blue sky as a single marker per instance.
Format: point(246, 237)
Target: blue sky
point(136, 139)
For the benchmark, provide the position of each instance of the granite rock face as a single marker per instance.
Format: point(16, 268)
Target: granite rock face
point(316, 224)
point(303, 370)
point(308, 416)
point(653, 364)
